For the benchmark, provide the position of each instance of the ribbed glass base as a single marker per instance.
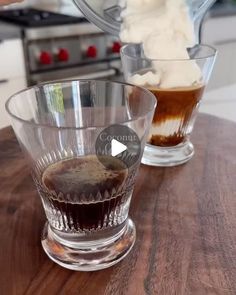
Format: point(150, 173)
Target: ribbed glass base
point(168, 156)
point(83, 254)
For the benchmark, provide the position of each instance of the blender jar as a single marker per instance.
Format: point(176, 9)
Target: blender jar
point(107, 14)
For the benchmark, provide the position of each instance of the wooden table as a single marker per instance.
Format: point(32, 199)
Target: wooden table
point(185, 218)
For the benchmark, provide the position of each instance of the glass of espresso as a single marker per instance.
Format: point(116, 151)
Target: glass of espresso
point(85, 181)
point(178, 86)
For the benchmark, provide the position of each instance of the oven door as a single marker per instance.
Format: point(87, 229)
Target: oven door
point(95, 71)
point(96, 75)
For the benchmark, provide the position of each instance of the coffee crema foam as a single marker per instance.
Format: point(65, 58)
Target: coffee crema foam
point(84, 176)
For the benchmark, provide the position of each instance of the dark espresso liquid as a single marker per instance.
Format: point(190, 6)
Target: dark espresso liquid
point(173, 114)
point(81, 194)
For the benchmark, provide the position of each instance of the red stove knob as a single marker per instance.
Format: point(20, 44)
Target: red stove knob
point(116, 47)
point(45, 58)
point(92, 52)
point(63, 54)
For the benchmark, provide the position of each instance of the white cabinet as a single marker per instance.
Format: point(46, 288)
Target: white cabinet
point(221, 33)
point(11, 59)
point(7, 88)
point(12, 74)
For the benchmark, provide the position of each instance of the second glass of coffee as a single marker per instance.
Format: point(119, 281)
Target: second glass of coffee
point(178, 86)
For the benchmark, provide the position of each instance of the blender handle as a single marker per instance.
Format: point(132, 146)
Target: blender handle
point(200, 10)
point(198, 14)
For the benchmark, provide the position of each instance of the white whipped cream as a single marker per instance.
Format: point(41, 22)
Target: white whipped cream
point(165, 29)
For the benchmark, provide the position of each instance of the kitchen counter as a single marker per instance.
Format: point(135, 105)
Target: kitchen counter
point(9, 31)
point(185, 220)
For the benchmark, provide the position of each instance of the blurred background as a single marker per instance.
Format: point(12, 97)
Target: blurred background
point(49, 40)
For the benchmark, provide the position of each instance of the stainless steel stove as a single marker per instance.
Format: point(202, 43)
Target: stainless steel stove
point(58, 46)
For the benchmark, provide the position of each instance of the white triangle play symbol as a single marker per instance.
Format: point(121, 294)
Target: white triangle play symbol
point(117, 147)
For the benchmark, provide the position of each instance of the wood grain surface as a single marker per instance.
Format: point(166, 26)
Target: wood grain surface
point(185, 218)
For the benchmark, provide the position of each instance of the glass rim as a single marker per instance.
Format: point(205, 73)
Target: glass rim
point(38, 125)
point(210, 55)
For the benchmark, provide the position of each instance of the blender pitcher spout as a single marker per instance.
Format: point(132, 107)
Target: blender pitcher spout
point(198, 9)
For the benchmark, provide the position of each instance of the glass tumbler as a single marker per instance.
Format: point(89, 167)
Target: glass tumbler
point(178, 85)
point(86, 197)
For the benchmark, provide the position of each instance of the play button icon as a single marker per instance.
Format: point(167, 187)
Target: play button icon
point(117, 147)
point(120, 142)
